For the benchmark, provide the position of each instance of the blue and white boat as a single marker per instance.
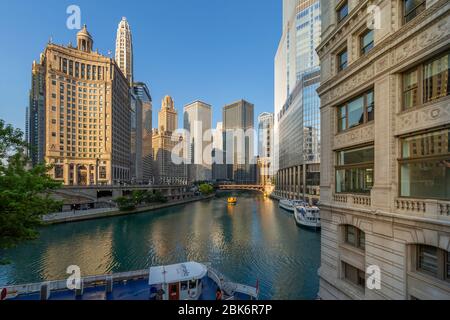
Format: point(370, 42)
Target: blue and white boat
point(307, 216)
point(184, 281)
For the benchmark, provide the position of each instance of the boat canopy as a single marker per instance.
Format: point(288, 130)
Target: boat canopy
point(177, 273)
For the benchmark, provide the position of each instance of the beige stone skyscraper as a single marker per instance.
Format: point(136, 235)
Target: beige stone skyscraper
point(164, 139)
point(124, 49)
point(87, 114)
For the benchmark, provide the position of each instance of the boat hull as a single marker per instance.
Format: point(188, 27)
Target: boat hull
point(305, 224)
point(286, 207)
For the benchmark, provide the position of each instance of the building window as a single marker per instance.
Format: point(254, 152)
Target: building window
point(342, 60)
point(357, 111)
point(355, 237)
point(355, 170)
point(410, 89)
point(367, 42)
point(425, 166)
point(354, 275)
point(342, 11)
point(427, 82)
point(436, 82)
point(433, 261)
point(412, 8)
point(102, 172)
point(447, 267)
point(59, 172)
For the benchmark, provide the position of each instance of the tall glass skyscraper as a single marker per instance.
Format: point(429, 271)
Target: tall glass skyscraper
point(297, 105)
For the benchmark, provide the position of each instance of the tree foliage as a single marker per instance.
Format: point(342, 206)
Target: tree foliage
point(139, 198)
point(206, 189)
point(24, 193)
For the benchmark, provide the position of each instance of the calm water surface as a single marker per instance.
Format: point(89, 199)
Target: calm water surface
point(253, 240)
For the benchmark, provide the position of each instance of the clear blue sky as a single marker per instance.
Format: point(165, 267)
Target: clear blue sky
point(217, 51)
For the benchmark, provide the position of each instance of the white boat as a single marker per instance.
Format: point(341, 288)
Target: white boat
point(286, 205)
point(184, 281)
point(194, 281)
point(307, 216)
point(289, 205)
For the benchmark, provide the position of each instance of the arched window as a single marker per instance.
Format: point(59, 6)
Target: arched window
point(354, 237)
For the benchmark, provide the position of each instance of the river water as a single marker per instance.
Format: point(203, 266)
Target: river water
point(254, 240)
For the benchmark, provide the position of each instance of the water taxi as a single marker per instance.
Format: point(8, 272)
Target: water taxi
point(184, 281)
point(232, 200)
point(307, 216)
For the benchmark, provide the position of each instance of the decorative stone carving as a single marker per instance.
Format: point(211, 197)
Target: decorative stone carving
point(355, 137)
point(426, 117)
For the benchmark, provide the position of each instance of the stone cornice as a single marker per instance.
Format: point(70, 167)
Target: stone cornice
point(355, 14)
point(387, 57)
point(406, 32)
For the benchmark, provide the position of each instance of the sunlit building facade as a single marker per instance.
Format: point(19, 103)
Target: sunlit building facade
point(385, 154)
point(198, 122)
point(87, 114)
point(265, 147)
point(124, 49)
point(297, 105)
point(169, 163)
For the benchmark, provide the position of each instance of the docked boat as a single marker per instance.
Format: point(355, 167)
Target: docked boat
point(184, 281)
point(307, 216)
point(289, 205)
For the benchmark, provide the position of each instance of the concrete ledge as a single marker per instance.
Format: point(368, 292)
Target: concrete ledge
point(108, 214)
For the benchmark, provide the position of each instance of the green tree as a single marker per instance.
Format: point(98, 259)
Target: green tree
point(206, 188)
point(159, 197)
point(125, 204)
point(24, 193)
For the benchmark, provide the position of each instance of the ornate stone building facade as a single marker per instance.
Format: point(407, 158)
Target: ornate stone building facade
point(87, 114)
point(385, 155)
point(165, 142)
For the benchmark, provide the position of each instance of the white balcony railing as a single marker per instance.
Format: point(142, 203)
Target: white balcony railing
point(353, 199)
point(436, 208)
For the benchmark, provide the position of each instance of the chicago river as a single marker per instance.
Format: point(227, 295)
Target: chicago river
point(252, 241)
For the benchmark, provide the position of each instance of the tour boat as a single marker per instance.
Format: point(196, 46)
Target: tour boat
point(184, 281)
point(232, 200)
point(289, 205)
point(307, 216)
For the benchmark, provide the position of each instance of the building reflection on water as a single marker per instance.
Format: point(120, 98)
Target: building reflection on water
point(250, 241)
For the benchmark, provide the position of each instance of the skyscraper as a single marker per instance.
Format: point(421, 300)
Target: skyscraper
point(142, 93)
point(165, 139)
point(36, 113)
point(219, 169)
point(80, 114)
point(238, 141)
point(198, 122)
point(124, 49)
point(265, 147)
point(136, 145)
point(297, 105)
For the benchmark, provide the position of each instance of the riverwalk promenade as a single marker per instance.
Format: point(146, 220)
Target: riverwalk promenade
point(81, 215)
